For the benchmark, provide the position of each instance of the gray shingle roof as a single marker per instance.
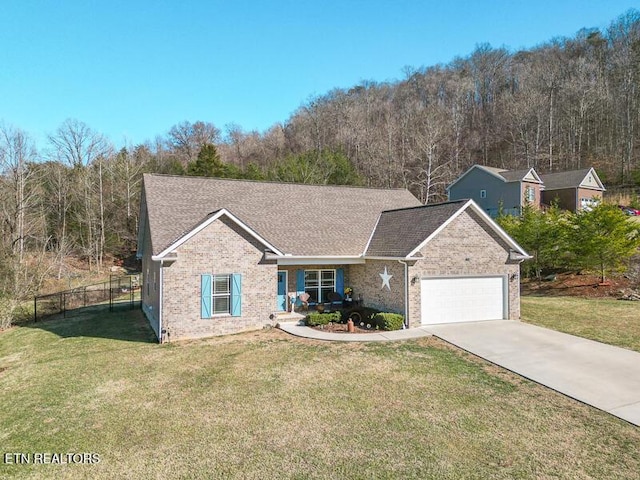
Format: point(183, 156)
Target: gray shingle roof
point(514, 175)
point(506, 175)
point(296, 219)
point(399, 232)
point(570, 179)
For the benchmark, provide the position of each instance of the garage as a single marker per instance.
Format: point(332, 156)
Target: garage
point(463, 299)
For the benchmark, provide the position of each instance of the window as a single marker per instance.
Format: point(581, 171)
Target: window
point(319, 284)
point(530, 194)
point(220, 295)
point(483, 194)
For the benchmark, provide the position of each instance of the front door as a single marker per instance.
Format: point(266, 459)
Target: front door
point(282, 291)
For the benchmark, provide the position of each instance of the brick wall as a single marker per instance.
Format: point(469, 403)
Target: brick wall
point(150, 288)
point(466, 247)
point(366, 281)
point(220, 248)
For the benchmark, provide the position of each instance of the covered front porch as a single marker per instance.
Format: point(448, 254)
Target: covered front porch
point(332, 284)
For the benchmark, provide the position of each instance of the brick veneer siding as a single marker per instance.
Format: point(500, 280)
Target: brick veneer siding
point(465, 247)
point(537, 189)
point(150, 289)
point(588, 193)
point(220, 248)
point(366, 281)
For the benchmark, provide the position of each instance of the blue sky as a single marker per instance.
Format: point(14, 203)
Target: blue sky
point(132, 69)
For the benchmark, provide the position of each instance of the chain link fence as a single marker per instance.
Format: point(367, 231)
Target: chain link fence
point(117, 292)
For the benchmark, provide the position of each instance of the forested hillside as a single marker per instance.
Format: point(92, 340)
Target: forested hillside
point(569, 103)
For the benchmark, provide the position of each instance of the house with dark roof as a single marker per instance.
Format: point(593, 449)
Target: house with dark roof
point(222, 256)
point(573, 190)
point(497, 189)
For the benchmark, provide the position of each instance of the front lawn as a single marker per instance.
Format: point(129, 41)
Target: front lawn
point(615, 322)
point(266, 405)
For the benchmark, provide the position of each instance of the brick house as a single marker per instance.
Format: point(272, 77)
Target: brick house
point(222, 256)
point(573, 190)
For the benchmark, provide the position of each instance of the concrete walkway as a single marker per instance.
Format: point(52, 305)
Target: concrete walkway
point(599, 375)
point(381, 336)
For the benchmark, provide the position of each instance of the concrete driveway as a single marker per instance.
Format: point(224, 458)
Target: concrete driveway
point(600, 375)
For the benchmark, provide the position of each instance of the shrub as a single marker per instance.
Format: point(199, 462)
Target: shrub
point(389, 321)
point(315, 319)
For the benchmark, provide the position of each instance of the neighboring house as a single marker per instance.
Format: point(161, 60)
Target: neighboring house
point(222, 256)
point(574, 190)
point(496, 188)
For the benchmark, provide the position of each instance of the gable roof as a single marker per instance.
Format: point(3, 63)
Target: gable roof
point(570, 179)
point(507, 176)
point(398, 232)
point(300, 220)
point(403, 232)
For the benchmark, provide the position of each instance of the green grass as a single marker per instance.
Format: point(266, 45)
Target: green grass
point(266, 405)
point(614, 322)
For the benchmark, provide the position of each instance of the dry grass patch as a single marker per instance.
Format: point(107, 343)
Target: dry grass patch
point(614, 322)
point(266, 405)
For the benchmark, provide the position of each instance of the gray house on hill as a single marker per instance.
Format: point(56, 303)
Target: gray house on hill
point(495, 189)
point(222, 256)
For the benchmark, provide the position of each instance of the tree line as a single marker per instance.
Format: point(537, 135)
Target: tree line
point(569, 103)
point(601, 239)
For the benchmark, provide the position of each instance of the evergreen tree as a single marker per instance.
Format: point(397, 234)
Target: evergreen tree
point(603, 239)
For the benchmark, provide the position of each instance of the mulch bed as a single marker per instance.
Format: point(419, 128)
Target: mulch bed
point(571, 284)
point(342, 328)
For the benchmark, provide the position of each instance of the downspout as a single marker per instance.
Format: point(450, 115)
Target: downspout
point(161, 289)
point(406, 293)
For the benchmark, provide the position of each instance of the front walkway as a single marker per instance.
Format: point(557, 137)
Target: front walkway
point(380, 336)
point(600, 375)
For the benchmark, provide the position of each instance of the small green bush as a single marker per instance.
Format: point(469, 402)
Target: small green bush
point(389, 321)
point(315, 319)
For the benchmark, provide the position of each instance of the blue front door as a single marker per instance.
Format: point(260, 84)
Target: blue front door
point(282, 291)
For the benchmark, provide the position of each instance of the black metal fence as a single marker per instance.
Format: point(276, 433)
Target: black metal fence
point(121, 292)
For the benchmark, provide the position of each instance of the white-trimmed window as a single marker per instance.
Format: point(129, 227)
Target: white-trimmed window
point(530, 194)
point(483, 194)
point(319, 284)
point(220, 294)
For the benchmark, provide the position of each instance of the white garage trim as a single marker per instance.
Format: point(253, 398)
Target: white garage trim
point(454, 299)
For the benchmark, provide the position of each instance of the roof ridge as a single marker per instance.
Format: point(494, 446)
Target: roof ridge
point(438, 204)
point(273, 182)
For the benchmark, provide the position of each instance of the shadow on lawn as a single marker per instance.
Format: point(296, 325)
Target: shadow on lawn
point(122, 323)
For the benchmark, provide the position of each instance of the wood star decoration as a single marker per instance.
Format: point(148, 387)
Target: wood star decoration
point(385, 279)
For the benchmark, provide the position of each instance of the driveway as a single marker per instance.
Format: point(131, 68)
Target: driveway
point(600, 375)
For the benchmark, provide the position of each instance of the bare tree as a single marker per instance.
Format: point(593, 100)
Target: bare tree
point(186, 139)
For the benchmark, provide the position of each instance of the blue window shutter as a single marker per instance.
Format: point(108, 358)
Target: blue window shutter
point(205, 296)
point(299, 285)
point(236, 295)
point(340, 281)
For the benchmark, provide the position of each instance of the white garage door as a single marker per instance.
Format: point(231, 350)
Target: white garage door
point(449, 300)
